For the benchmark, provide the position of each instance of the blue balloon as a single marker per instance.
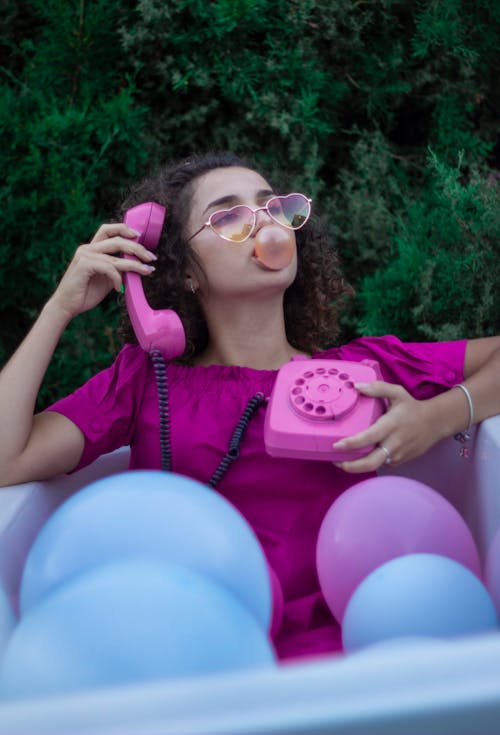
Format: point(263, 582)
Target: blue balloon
point(162, 515)
point(417, 595)
point(7, 620)
point(134, 620)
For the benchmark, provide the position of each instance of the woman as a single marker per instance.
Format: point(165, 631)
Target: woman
point(243, 321)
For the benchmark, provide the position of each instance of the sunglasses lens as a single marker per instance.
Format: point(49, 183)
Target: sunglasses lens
point(233, 224)
point(291, 211)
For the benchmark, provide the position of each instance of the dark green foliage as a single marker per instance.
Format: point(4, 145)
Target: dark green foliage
point(441, 277)
point(385, 112)
point(70, 143)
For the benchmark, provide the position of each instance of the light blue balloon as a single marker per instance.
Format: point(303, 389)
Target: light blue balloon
point(163, 515)
point(417, 595)
point(7, 620)
point(131, 621)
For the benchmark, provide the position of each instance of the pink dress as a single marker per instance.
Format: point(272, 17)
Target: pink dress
point(284, 500)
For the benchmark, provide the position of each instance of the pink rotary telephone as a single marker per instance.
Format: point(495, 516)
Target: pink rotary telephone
point(314, 404)
point(155, 329)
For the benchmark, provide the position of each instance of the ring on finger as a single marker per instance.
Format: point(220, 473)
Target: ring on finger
point(388, 458)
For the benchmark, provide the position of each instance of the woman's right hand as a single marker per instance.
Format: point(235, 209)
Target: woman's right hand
point(97, 267)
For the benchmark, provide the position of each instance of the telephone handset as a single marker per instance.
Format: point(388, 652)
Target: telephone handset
point(155, 329)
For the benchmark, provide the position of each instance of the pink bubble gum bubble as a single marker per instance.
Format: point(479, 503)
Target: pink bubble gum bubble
point(274, 247)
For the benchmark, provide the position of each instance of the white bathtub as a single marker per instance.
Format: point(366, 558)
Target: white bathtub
point(449, 687)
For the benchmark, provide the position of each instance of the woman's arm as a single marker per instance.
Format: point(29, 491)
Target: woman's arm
point(27, 441)
point(410, 427)
point(38, 447)
point(478, 352)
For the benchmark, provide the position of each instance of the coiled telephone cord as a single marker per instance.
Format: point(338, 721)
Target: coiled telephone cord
point(160, 370)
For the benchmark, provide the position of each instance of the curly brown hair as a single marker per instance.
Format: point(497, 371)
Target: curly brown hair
point(311, 303)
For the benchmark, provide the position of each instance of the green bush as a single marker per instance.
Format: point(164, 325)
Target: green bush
point(70, 143)
point(344, 99)
point(441, 278)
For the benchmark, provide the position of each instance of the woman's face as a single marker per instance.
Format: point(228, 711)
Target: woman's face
point(232, 268)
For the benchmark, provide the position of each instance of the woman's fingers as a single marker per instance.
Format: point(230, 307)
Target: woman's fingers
point(381, 427)
point(113, 267)
point(370, 462)
point(119, 245)
point(385, 436)
point(110, 273)
point(386, 448)
point(112, 229)
point(97, 268)
point(117, 237)
point(86, 254)
point(372, 435)
point(381, 389)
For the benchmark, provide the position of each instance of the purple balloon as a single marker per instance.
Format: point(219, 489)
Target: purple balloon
point(492, 570)
point(380, 519)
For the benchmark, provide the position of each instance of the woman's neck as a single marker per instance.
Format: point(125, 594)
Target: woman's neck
point(248, 337)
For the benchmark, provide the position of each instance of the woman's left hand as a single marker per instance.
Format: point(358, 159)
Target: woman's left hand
point(407, 429)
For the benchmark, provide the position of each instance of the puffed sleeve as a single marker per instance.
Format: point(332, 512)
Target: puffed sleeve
point(423, 368)
point(105, 407)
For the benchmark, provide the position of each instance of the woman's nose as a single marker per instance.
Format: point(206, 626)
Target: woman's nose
point(262, 217)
